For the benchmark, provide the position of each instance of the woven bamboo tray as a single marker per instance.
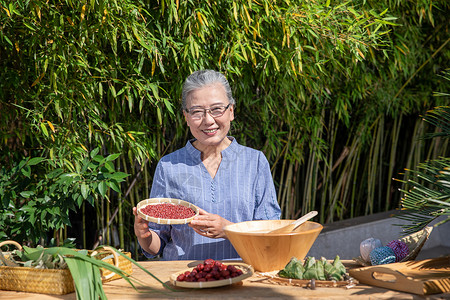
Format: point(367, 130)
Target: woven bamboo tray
point(272, 277)
point(152, 201)
point(414, 242)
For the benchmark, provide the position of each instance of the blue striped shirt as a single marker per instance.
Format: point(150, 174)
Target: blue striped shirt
point(242, 190)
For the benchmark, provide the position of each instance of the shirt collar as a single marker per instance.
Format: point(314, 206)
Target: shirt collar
point(228, 153)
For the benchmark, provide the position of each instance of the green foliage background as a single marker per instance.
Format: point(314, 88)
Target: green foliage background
point(331, 91)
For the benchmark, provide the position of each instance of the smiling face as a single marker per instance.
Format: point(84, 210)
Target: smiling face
point(209, 131)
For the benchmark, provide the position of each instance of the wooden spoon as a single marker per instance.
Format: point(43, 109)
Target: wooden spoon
point(291, 227)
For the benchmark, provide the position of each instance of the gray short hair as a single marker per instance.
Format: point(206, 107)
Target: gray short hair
point(202, 78)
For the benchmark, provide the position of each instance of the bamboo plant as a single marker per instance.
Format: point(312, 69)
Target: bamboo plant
point(329, 90)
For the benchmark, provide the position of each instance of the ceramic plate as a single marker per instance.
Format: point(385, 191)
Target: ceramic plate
point(246, 269)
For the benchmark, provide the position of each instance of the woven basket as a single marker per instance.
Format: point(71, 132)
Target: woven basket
point(56, 281)
point(44, 281)
point(114, 259)
point(414, 242)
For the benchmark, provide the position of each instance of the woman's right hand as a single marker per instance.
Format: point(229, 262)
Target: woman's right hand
point(141, 229)
point(148, 239)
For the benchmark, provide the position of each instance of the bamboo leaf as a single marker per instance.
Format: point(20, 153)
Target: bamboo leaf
point(102, 188)
point(35, 160)
point(84, 190)
point(112, 157)
point(44, 129)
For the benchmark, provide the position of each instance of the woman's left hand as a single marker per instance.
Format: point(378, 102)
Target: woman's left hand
point(209, 225)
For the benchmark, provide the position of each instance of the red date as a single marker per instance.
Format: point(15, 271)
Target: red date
point(210, 270)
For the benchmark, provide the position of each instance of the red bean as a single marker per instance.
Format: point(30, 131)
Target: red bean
point(168, 211)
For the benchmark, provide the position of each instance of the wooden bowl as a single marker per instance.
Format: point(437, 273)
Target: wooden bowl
point(174, 201)
point(269, 252)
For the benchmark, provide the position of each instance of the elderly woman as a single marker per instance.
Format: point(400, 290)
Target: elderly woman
point(229, 182)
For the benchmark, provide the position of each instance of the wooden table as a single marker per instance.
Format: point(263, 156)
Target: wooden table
point(250, 288)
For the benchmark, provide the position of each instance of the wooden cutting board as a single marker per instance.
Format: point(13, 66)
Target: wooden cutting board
point(430, 276)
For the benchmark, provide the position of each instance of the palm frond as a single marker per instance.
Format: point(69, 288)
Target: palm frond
point(440, 118)
point(427, 192)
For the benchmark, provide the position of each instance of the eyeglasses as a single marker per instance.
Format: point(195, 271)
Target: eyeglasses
point(216, 111)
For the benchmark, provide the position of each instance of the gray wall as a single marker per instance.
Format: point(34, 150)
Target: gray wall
point(345, 241)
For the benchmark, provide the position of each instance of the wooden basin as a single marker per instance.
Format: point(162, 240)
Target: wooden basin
point(269, 252)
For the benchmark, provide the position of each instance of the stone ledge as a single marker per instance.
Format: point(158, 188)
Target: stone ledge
point(360, 220)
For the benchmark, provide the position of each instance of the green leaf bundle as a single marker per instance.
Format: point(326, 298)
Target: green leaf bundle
point(294, 269)
point(314, 269)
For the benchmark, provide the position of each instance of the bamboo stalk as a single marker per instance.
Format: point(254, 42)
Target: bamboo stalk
point(380, 154)
point(56, 236)
point(330, 166)
point(314, 185)
point(355, 180)
point(352, 164)
point(282, 189)
point(83, 223)
point(289, 201)
point(315, 163)
point(323, 198)
point(121, 229)
point(393, 153)
point(327, 178)
point(65, 232)
point(120, 212)
point(98, 218)
point(337, 189)
point(295, 190)
point(445, 145)
point(436, 149)
point(281, 200)
point(412, 150)
point(420, 145)
point(345, 187)
point(372, 157)
point(146, 182)
point(108, 227)
point(102, 219)
point(308, 184)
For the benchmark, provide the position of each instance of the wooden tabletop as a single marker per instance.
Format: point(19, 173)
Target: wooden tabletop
point(250, 287)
